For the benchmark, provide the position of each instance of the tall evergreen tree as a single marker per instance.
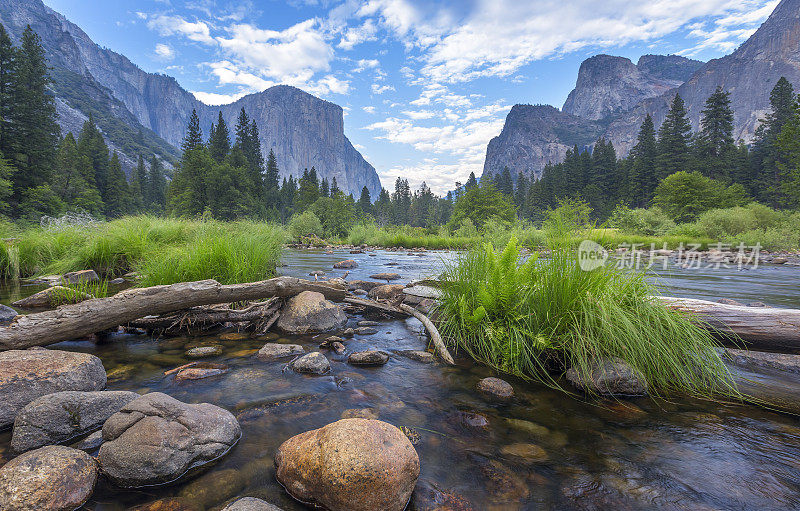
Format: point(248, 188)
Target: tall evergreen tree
point(117, 195)
point(766, 152)
point(401, 202)
point(644, 177)
point(307, 190)
point(7, 52)
point(219, 142)
point(365, 202)
point(714, 146)
point(156, 186)
point(271, 182)
point(34, 129)
point(673, 139)
point(138, 185)
point(324, 188)
point(194, 134)
point(335, 190)
point(471, 183)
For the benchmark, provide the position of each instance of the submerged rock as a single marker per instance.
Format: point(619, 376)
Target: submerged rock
point(348, 264)
point(360, 413)
point(28, 374)
point(496, 388)
point(429, 497)
point(200, 371)
point(313, 363)
point(610, 377)
point(369, 358)
point(525, 451)
point(204, 351)
point(156, 439)
point(308, 313)
point(273, 351)
point(53, 478)
point(425, 357)
point(386, 292)
point(350, 465)
point(250, 504)
point(63, 416)
point(7, 315)
point(366, 330)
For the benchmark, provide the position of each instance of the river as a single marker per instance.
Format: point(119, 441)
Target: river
point(638, 454)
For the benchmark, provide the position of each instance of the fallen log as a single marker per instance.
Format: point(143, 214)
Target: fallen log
point(205, 317)
point(377, 306)
point(763, 328)
point(441, 349)
point(79, 320)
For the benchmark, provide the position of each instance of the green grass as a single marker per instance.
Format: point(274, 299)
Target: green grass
point(519, 318)
point(163, 250)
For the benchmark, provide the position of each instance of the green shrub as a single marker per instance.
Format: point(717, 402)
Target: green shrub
point(685, 195)
point(647, 222)
point(304, 224)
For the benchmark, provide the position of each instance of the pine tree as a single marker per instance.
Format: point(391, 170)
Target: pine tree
point(256, 160)
point(34, 129)
point(219, 142)
point(673, 140)
point(644, 176)
point(271, 182)
point(117, 195)
point(365, 202)
point(471, 183)
point(307, 190)
point(401, 202)
point(766, 153)
point(156, 186)
point(93, 158)
point(288, 195)
point(7, 53)
point(194, 135)
point(714, 145)
point(138, 185)
point(382, 209)
point(324, 188)
point(335, 190)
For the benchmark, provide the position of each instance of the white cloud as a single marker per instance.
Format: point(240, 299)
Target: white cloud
point(354, 36)
point(419, 114)
point(364, 64)
point(728, 32)
point(380, 89)
point(369, 109)
point(211, 98)
point(294, 54)
point(164, 52)
point(167, 25)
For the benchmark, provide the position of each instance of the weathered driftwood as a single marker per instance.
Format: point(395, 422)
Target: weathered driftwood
point(377, 306)
point(765, 328)
point(441, 349)
point(85, 318)
point(198, 319)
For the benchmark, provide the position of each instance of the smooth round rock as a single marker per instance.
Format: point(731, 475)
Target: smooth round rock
point(366, 330)
point(201, 371)
point(313, 363)
point(28, 374)
point(350, 465)
point(496, 388)
point(368, 358)
point(610, 377)
point(64, 416)
point(156, 439)
point(385, 276)
point(525, 451)
point(7, 315)
point(273, 351)
point(53, 478)
point(310, 313)
point(425, 357)
point(204, 351)
point(250, 504)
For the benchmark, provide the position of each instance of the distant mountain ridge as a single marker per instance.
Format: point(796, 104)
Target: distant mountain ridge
point(302, 130)
point(612, 92)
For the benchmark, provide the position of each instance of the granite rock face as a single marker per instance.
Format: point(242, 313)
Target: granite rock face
point(26, 375)
point(613, 96)
point(301, 129)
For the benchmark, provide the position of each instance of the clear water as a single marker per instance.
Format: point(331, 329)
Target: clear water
point(636, 455)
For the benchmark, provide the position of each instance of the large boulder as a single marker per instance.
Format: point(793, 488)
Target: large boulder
point(310, 313)
point(274, 351)
point(350, 465)
point(348, 264)
point(53, 478)
point(76, 277)
point(386, 292)
point(156, 439)
point(28, 374)
point(250, 504)
point(63, 416)
point(312, 363)
point(609, 377)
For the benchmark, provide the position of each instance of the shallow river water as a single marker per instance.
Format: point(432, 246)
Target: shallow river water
point(633, 455)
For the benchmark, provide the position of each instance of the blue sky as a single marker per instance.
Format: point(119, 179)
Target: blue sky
point(425, 84)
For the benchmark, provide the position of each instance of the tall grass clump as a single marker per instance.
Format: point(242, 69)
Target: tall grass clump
point(238, 255)
point(521, 317)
